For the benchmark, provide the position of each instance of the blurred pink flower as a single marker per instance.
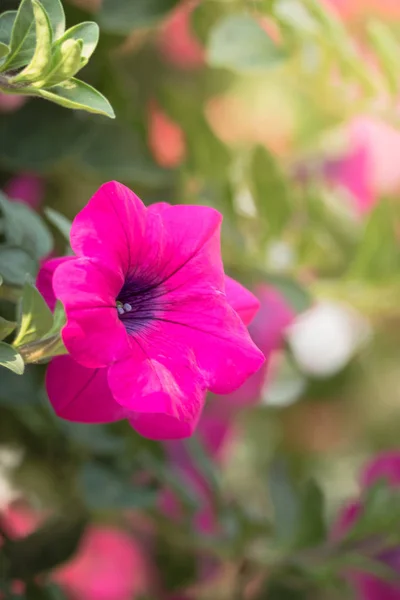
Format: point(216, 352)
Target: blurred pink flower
point(27, 188)
point(267, 332)
point(149, 325)
point(166, 138)
point(109, 565)
point(354, 9)
point(385, 466)
point(10, 102)
point(177, 42)
point(370, 168)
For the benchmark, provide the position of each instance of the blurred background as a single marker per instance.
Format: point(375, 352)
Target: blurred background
point(284, 115)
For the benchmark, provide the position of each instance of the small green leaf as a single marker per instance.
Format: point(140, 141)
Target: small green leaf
point(239, 43)
point(59, 319)
point(15, 264)
point(36, 318)
point(121, 16)
point(270, 191)
point(103, 489)
point(78, 95)
point(6, 327)
point(59, 221)
point(66, 62)
point(23, 228)
point(312, 528)
point(41, 60)
point(88, 33)
point(285, 501)
point(6, 24)
point(11, 359)
point(4, 50)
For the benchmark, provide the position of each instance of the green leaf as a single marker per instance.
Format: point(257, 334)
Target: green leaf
point(285, 501)
point(270, 191)
point(103, 489)
point(6, 24)
point(41, 59)
point(23, 37)
point(27, 139)
point(24, 228)
point(16, 391)
point(121, 16)
point(15, 265)
point(378, 254)
point(88, 33)
point(297, 295)
point(77, 95)
point(11, 359)
point(312, 528)
point(4, 49)
point(386, 47)
point(6, 327)
point(53, 543)
point(59, 221)
point(36, 318)
point(66, 62)
point(239, 43)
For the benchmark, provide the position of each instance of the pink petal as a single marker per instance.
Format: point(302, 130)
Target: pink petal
point(167, 398)
point(384, 466)
point(195, 312)
point(109, 226)
point(44, 281)
point(93, 335)
point(80, 394)
point(241, 300)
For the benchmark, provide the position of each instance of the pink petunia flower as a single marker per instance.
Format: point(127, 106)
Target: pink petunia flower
point(109, 565)
point(27, 188)
point(150, 327)
point(369, 587)
point(267, 332)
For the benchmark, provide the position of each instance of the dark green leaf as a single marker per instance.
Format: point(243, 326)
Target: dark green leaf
point(6, 24)
point(16, 391)
point(53, 543)
point(59, 221)
point(36, 318)
point(270, 191)
point(239, 43)
point(77, 95)
point(97, 438)
point(285, 502)
point(24, 228)
point(41, 59)
point(15, 265)
point(312, 527)
point(11, 359)
point(27, 139)
point(103, 489)
point(6, 327)
point(121, 16)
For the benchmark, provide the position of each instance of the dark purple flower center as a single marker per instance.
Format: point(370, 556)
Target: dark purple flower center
point(137, 304)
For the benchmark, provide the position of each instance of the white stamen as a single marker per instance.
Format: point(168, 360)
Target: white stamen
point(120, 310)
point(127, 307)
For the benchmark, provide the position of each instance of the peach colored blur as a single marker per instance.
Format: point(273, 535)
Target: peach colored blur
point(355, 9)
point(165, 137)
